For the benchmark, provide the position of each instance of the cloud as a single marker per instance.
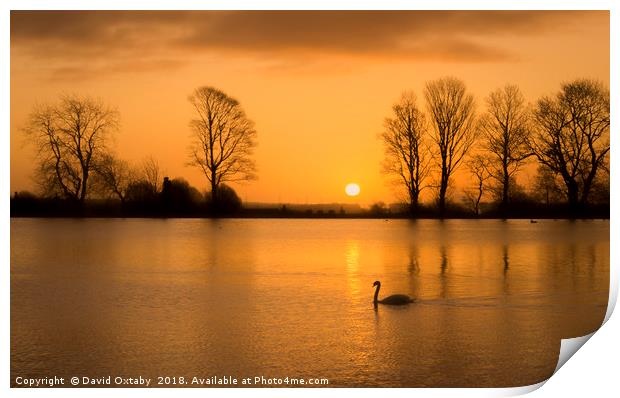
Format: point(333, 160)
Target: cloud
point(451, 36)
point(80, 72)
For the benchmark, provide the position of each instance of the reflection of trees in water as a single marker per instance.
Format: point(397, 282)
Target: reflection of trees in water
point(413, 267)
point(443, 279)
point(574, 264)
point(592, 262)
point(583, 261)
point(506, 264)
point(505, 259)
point(572, 254)
point(414, 261)
point(414, 239)
point(444, 259)
point(223, 314)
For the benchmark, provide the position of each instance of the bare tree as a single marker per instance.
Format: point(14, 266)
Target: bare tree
point(478, 166)
point(453, 115)
point(572, 136)
point(505, 128)
point(600, 193)
point(404, 140)
point(71, 137)
point(150, 171)
point(224, 138)
point(547, 189)
point(115, 175)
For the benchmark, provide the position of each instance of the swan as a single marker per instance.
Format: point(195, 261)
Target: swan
point(395, 299)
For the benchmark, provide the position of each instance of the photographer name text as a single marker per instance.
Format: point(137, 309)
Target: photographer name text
point(168, 381)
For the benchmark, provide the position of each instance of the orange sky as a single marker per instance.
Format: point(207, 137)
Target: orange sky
point(318, 85)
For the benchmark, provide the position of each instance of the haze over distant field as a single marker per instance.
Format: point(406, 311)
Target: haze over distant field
point(318, 85)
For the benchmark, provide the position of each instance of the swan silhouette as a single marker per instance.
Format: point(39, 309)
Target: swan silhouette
point(395, 299)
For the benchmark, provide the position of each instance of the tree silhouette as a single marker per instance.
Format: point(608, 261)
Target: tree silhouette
point(114, 176)
point(71, 137)
point(505, 128)
point(150, 171)
point(141, 192)
point(478, 166)
point(546, 186)
point(224, 138)
point(572, 136)
point(179, 197)
point(405, 148)
point(452, 114)
point(229, 201)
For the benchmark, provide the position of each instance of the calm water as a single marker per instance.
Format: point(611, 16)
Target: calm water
point(277, 298)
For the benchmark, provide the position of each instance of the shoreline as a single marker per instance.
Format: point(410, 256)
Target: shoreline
point(305, 217)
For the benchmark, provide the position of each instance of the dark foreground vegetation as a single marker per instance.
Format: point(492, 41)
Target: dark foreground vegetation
point(179, 199)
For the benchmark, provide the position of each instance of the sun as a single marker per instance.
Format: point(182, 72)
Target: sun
point(352, 189)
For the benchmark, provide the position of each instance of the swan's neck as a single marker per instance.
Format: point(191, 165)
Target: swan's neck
point(377, 293)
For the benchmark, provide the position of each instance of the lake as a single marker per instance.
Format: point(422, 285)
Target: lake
point(293, 298)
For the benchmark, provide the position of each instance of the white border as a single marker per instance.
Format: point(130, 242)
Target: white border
point(594, 372)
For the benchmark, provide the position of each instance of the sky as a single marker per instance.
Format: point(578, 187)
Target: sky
point(317, 84)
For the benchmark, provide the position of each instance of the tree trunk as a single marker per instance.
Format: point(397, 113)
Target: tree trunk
point(83, 188)
point(414, 192)
point(479, 198)
point(442, 196)
point(587, 184)
point(573, 196)
point(506, 188)
point(413, 201)
point(443, 187)
point(214, 190)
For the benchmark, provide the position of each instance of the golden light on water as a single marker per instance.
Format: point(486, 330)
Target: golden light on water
point(352, 189)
